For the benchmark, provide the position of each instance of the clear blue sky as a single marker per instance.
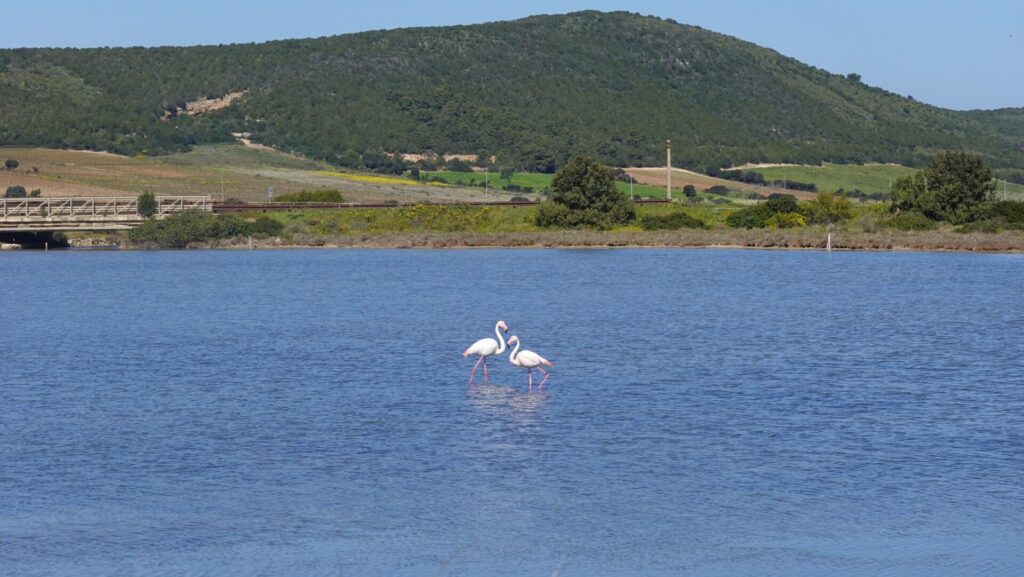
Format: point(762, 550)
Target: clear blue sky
point(958, 54)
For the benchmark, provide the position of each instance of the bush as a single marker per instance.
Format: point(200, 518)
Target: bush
point(912, 221)
point(11, 164)
point(312, 196)
point(755, 216)
point(718, 189)
point(181, 230)
point(16, 191)
point(1010, 211)
point(780, 203)
point(786, 220)
point(36, 193)
point(827, 208)
point(690, 191)
point(456, 165)
point(673, 221)
point(147, 205)
point(266, 226)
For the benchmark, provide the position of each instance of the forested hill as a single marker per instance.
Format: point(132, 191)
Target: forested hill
point(533, 91)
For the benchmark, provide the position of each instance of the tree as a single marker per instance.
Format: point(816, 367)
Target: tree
point(690, 192)
point(16, 191)
point(853, 76)
point(11, 164)
point(584, 194)
point(507, 173)
point(827, 208)
point(147, 204)
point(953, 188)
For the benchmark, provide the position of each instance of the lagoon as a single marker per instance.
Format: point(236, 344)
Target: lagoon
point(710, 412)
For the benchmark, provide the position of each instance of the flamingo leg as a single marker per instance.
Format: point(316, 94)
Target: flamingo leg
point(529, 373)
point(473, 371)
point(544, 380)
point(486, 381)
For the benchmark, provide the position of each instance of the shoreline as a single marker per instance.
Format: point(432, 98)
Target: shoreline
point(787, 239)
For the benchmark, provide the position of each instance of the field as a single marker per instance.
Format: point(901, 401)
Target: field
point(657, 178)
point(831, 177)
point(222, 171)
point(232, 171)
point(542, 182)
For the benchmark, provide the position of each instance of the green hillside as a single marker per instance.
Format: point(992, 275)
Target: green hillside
point(534, 92)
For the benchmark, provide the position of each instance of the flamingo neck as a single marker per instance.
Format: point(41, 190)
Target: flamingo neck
point(515, 351)
point(501, 341)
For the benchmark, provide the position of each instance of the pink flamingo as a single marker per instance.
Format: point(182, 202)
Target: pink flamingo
point(530, 360)
point(485, 348)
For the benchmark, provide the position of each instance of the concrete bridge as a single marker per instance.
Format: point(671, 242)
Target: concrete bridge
point(88, 213)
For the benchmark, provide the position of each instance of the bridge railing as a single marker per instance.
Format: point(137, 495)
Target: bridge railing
point(86, 207)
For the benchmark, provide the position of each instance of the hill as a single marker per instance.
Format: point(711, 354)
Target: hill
point(534, 92)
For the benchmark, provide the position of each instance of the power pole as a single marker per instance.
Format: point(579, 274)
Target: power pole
point(668, 169)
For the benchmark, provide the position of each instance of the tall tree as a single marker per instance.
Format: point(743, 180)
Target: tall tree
point(952, 188)
point(584, 194)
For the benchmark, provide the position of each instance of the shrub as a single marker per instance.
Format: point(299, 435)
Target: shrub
point(147, 205)
point(36, 193)
point(912, 221)
point(553, 214)
point(780, 203)
point(312, 196)
point(16, 191)
point(718, 189)
point(1010, 211)
point(690, 191)
point(266, 226)
point(786, 220)
point(456, 165)
point(11, 164)
point(755, 216)
point(673, 221)
point(826, 209)
point(181, 230)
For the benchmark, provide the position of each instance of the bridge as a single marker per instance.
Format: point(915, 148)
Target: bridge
point(88, 213)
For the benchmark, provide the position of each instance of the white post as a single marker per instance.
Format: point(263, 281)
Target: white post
point(668, 169)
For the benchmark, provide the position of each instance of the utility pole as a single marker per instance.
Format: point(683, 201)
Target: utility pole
point(668, 170)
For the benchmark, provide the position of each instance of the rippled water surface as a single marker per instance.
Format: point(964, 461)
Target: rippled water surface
point(710, 413)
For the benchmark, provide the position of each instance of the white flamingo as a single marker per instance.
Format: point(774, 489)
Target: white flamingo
point(529, 360)
point(485, 348)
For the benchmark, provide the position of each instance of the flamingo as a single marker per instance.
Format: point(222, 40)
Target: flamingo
point(485, 348)
point(528, 359)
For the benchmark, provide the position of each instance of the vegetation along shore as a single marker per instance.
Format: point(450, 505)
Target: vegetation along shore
point(956, 211)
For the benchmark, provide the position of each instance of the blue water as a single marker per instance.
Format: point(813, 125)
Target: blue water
point(713, 413)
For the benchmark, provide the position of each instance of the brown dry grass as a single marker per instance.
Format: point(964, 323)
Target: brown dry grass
point(680, 178)
point(724, 238)
point(217, 170)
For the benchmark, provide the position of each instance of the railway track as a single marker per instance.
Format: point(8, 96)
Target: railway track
point(225, 207)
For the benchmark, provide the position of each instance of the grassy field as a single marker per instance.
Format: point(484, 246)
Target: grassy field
point(831, 177)
point(537, 182)
point(863, 177)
